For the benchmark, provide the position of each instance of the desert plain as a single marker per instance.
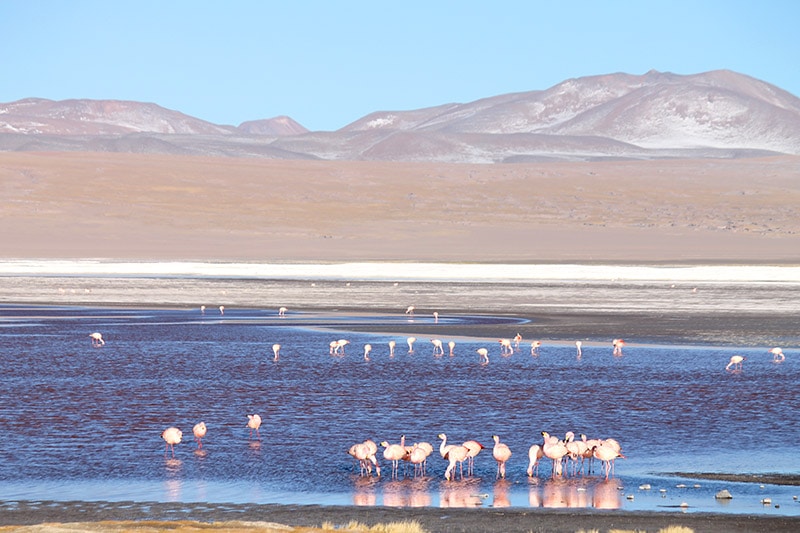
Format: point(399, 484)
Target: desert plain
point(147, 207)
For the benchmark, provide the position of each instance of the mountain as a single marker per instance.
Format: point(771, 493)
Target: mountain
point(718, 114)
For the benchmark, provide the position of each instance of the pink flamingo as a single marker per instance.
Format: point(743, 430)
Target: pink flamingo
point(517, 340)
point(392, 344)
point(437, 347)
point(534, 454)
point(221, 309)
point(394, 453)
point(473, 449)
point(608, 455)
point(555, 450)
point(535, 345)
point(338, 346)
point(367, 349)
point(410, 310)
point(501, 454)
point(618, 345)
point(199, 431)
point(171, 436)
point(254, 422)
point(276, 349)
point(364, 453)
point(202, 309)
point(417, 457)
point(777, 355)
point(454, 454)
point(436, 317)
point(410, 341)
point(735, 364)
point(282, 311)
point(578, 345)
point(97, 339)
point(484, 353)
point(452, 346)
point(505, 347)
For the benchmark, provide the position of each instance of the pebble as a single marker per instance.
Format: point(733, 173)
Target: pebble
point(646, 486)
point(724, 494)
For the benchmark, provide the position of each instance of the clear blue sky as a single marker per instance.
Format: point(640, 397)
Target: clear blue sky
point(327, 63)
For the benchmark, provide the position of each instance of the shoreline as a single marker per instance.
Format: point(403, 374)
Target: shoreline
point(433, 520)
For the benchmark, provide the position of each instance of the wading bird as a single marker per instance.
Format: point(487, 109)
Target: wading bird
point(411, 341)
point(97, 339)
point(501, 453)
point(735, 364)
point(437, 347)
point(254, 422)
point(777, 355)
point(618, 345)
point(171, 436)
point(199, 431)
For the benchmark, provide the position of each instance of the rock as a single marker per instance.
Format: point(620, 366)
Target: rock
point(724, 494)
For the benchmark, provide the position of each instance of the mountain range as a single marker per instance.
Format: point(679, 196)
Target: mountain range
point(657, 115)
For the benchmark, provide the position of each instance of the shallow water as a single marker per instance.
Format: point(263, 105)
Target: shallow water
point(83, 423)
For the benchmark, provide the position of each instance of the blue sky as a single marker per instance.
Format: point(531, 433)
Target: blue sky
point(328, 63)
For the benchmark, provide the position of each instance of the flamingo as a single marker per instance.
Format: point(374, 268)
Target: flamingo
point(394, 453)
point(417, 457)
point(199, 431)
point(588, 445)
point(221, 309)
point(282, 311)
point(452, 346)
point(332, 346)
point(501, 453)
point(410, 310)
point(484, 353)
point(444, 447)
point(777, 355)
point(392, 344)
point(575, 449)
point(517, 340)
point(436, 317)
point(735, 364)
point(505, 347)
point(437, 347)
point(411, 341)
point(618, 344)
point(555, 450)
point(276, 349)
point(473, 449)
point(339, 346)
point(534, 454)
point(364, 453)
point(171, 436)
point(202, 309)
point(367, 349)
point(608, 455)
point(254, 422)
point(578, 345)
point(454, 454)
point(535, 345)
point(97, 339)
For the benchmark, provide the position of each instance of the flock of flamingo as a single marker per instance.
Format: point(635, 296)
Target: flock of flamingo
point(564, 453)
point(568, 455)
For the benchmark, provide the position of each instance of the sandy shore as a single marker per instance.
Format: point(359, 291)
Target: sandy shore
point(432, 520)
